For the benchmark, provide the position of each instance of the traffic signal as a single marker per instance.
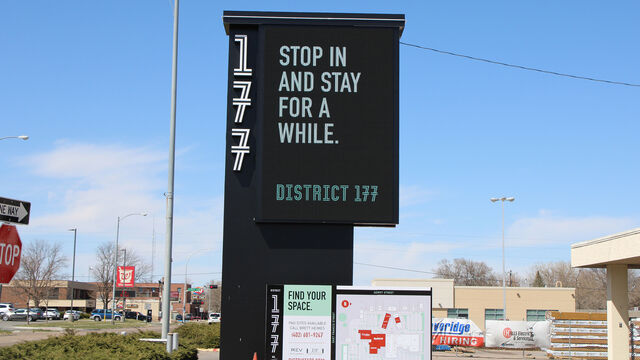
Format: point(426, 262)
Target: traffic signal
point(213, 286)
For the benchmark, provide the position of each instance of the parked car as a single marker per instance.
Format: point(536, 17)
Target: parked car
point(5, 306)
point(187, 317)
point(38, 311)
point(7, 314)
point(214, 317)
point(69, 313)
point(99, 314)
point(22, 314)
point(178, 317)
point(135, 315)
point(52, 314)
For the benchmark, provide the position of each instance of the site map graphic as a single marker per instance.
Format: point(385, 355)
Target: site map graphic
point(381, 327)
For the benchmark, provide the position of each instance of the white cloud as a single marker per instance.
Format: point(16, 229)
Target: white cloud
point(422, 256)
point(88, 186)
point(91, 185)
point(547, 228)
point(414, 195)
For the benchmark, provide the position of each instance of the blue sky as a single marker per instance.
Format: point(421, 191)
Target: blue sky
point(89, 82)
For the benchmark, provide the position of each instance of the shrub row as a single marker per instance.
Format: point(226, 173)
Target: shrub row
point(99, 346)
point(199, 335)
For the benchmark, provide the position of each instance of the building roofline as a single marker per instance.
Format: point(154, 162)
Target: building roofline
point(619, 235)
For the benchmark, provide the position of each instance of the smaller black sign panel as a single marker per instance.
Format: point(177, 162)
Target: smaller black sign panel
point(329, 145)
point(275, 313)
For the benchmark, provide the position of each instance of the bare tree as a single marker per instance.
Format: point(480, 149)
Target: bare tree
point(537, 281)
point(513, 279)
point(466, 272)
point(41, 263)
point(104, 268)
point(103, 273)
point(590, 284)
point(591, 289)
point(555, 274)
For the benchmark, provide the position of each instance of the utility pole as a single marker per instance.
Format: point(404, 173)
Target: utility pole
point(166, 310)
point(504, 287)
point(73, 269)
point(124, 298)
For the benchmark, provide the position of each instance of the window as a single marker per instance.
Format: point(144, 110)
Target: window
point(537, 315)
point(458, 313)
point(494, 314)
point(145, 292)
point(125, 293)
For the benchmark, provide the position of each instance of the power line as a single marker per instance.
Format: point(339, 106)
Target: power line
point(395, 268)
point(520, 66)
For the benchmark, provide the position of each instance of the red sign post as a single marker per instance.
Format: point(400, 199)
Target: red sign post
point(126, 276)
point(10, 251)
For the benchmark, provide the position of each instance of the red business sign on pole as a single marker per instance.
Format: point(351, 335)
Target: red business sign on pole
point(126, 274)
point(10, 251)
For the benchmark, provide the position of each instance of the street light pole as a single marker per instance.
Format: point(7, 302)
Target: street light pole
point(73, 268)
point(153, 247)
point(184, 293)
point(166, 306)
point(504, 274)
point(115, 267)
point(124, 265)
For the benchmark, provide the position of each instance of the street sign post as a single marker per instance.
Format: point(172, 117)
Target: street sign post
point(14, 211)
point(10, 252)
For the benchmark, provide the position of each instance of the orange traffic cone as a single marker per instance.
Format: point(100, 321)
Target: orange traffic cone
point(255, 356)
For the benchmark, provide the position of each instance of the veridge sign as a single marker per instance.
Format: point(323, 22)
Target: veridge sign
point(10, 251)
point(14, 211)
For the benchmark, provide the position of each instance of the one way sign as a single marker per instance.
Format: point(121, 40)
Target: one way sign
point(14, 211)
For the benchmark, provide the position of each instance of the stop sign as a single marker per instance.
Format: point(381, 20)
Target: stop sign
point(10, 251)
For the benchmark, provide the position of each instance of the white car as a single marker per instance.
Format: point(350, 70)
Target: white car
point(4, 307)
point(52, 314)
point(69, 313)
point(6, 315)
point(214, 317)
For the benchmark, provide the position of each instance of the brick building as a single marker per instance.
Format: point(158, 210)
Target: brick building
point(141, 297)
point(59, 295)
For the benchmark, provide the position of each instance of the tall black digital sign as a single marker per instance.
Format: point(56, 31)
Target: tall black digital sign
point(312, 150)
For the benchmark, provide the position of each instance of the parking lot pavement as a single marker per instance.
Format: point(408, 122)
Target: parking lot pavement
point(439, 355)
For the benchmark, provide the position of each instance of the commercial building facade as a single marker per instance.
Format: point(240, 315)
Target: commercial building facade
point(58, 295)
point(481, 303)
point(617, 253)
point(86, 297)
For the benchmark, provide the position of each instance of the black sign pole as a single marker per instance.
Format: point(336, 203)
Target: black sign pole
point(304, 164)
